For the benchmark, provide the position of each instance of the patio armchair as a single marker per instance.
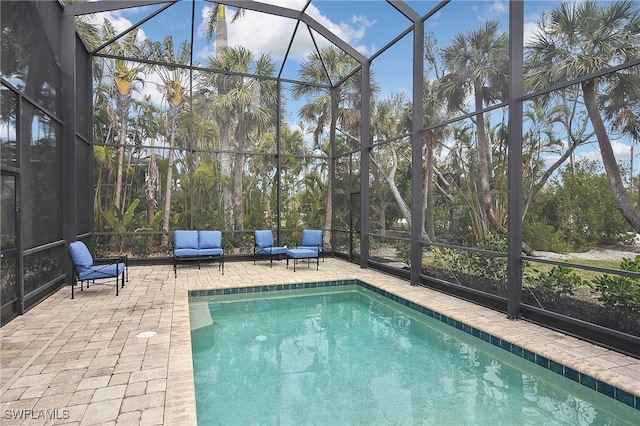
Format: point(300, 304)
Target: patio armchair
point(312, 240)
point(86, 269)
point(265, 245)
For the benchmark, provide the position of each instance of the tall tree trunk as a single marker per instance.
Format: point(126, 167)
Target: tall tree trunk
point(221, 29)
point(608, 157)
point(167, 191)
point(328, 212)
point(485, 185)
point(123, 105)
point(429, 201)
point(225, 172)
point(225, 142)
point(483, 166)
point(390, 178)
point(238, 174)
point(152, 187)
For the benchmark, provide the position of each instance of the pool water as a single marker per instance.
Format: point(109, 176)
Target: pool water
point(350, 356)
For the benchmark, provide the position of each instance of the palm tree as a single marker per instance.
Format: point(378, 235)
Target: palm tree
point(324, 68)
point(174, 80)
point(246, 103)
point(216, 23)
point(126, 76)
point(476, 64)
point(577, 39)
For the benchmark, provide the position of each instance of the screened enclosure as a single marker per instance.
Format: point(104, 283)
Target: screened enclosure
point(474, 147)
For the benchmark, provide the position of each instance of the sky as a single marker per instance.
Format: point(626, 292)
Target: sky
point(368, 26)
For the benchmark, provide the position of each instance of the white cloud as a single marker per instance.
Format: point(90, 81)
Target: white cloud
point(621, 151)
point(119, 23)
point(497, 9)
point(276, 32)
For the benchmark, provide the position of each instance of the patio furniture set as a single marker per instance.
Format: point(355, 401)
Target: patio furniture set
point(192, 246)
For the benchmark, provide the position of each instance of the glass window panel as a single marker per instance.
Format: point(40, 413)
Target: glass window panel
point(84, 199)
point(8, 105)
point(84, 91)
point(30, 48)
point(43, 267)
point(41, 178)
point(8, 235)
point(8, 279)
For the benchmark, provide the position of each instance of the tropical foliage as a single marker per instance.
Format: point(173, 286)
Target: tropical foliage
point(218, 152)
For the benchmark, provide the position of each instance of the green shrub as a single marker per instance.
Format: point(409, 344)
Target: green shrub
point(620, 293)
point(544, 237)
point(479, 265)
point(404, 251)
point(558, 281)
point(140, 245)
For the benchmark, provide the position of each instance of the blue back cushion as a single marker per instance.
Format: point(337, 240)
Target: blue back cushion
point(185, 240)
point(209, 240)
point(264, 238)
point(80, 254)
point(311, 237)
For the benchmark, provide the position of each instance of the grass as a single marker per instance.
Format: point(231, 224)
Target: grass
point(585, 274)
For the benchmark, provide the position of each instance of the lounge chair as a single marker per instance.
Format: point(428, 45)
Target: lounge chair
point(265, 245)
point(85, 269)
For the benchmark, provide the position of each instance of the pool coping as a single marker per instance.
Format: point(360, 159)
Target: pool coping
point(584, 379)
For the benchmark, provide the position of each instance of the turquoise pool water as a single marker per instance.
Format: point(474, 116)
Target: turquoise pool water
point(346, 355)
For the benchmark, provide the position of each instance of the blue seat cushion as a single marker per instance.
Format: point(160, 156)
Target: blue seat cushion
point(302, 253)
point(185, 240)
point(272, 250)
point(209, 240)
point(185, 252)
point(311, 240)
point(80, 254)
point(264, 239)
point(96, 272)
point(211, 252)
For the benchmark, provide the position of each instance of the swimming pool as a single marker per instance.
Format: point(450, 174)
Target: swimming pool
point(343, 354)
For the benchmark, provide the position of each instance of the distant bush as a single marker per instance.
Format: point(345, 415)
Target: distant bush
point(544, 237)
